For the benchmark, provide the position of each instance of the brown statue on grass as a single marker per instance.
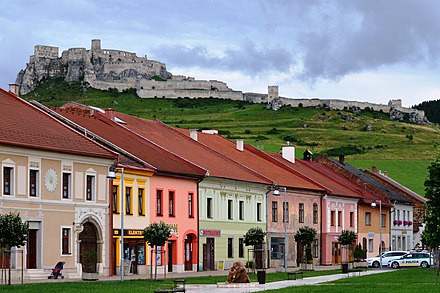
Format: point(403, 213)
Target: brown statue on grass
point(237, 274)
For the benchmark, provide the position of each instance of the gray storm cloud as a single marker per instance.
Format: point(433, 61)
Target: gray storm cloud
point(329, 39)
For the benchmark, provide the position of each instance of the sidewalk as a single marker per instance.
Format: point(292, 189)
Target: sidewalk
point(275, 285)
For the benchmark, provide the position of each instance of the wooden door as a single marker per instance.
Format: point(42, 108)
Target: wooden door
point(210, 252)
point(31, 257)
point(188, 253)
point(299, 254)
point(205, 257)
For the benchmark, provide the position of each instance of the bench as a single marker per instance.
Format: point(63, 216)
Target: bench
point(296, 275)
point(179, 284)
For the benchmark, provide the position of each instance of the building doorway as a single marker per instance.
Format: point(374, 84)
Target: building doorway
point(89, 242)
point(31, 256)
point(336, 253)
point(170, 256)
point(188, 252)
point(208, 255)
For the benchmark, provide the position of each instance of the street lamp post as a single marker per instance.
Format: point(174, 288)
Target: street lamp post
point(276, 192)
point(373, 204)
point(112, 175)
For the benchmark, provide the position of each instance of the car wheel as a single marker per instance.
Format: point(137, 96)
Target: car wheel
point(376, 264)
point(424, 264)
point(395, 265)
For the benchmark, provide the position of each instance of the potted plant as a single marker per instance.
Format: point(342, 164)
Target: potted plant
point(347, 239)
point(359, 255)
point(305, 237)
point(89, 261)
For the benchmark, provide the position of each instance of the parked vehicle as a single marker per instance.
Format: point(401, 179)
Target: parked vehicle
point(386, 258)
point(416, 259)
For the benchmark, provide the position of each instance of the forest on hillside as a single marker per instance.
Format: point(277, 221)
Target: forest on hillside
point(432, 110)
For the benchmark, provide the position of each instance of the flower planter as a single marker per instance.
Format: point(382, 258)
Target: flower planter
point(360, 264)
point(90, 276)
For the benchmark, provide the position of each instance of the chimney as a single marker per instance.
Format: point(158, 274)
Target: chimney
point(14, 88)
point(110, 113)
point(307, 155)
point(342, 159)
point(288, 153)
point(193, 134)
point(373, 169)
point(240, 145)
point(385, 173)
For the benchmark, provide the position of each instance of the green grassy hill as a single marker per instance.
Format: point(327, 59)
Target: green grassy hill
point(402, 149)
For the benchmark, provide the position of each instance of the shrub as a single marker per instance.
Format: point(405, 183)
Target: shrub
point(359, 253)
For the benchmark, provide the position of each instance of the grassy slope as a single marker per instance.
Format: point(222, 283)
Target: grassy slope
point(387, 146)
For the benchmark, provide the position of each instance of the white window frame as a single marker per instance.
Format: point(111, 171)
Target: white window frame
point(38, 190)
point(10, 164)
point(70, 240)
point(70, 185)
point(93, 187)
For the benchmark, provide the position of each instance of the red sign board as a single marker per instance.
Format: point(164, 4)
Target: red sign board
point(210, 233)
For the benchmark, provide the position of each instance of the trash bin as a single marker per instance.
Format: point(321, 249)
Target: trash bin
point(345, 268)
point(261, 276)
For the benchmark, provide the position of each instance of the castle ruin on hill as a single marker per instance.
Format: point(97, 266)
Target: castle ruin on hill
point(107, 69)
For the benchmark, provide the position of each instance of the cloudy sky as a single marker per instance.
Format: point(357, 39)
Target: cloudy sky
point(362, 50)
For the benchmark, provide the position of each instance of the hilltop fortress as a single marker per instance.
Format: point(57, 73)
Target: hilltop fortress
point(106, 69)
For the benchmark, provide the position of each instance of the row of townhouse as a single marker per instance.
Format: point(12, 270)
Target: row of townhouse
point(208, 189)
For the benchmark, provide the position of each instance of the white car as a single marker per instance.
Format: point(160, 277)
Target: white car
point(413, 259)
point(386, 258)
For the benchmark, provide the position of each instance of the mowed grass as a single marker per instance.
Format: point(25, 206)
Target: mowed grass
point(403, 149)
point(402, 281)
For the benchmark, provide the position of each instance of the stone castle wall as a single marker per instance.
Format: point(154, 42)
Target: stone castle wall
point(107, 68)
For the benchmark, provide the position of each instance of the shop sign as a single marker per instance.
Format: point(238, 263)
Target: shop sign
point(210, 233)
point(117, 232)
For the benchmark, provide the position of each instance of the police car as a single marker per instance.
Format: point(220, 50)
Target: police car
point(412, 259)
point(386, 258)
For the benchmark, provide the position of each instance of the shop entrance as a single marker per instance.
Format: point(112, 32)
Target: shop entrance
point(134, 255)
point(336, 253)
point(170, 256)
point(208, 255)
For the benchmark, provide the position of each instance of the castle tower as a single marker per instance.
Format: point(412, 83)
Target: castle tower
point(96, 44)
point(272, 93)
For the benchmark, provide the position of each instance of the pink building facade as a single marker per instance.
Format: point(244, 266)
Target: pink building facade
point(338, 213)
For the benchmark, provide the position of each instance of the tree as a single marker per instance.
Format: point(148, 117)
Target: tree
point(305, 237)
point(347, 238)
point(157, 235)
point(13, 233)
point(431, 234)
point(255, 237)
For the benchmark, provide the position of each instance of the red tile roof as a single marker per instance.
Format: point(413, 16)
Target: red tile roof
point(173, 140)
point(257, 161)
point(24, 125)
point(161, 160)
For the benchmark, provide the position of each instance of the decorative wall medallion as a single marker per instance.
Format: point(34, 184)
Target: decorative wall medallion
point(51, 180)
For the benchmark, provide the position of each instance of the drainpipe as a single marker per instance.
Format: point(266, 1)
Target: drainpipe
point(322, 238)
point(267, 226)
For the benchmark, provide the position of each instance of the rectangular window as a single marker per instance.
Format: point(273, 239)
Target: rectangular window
point(7, 180)
point(240, 247)
point(370, 245)
point(230, 247)
point(33, 183)
point(141, 200)
point(209, 208)
point(141, 254)
point(190, 205)
point(258, 211)
point(301, 213)
point(158, 202)
point(230, 209)
point(315, 213)
point(274, 211)
point(332, 218)
point(315, 248)
point(65, 245)
point(171, 203)
point(67, 185)
point(90, 182)
point(384, 220)
point(351, 219)
point(368, 218)
point(128, 201)
point(115, 199)
point(241, 210)
point(286, 212)
point(340, 218)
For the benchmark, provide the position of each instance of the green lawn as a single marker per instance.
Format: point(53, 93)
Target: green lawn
point(402, 281)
